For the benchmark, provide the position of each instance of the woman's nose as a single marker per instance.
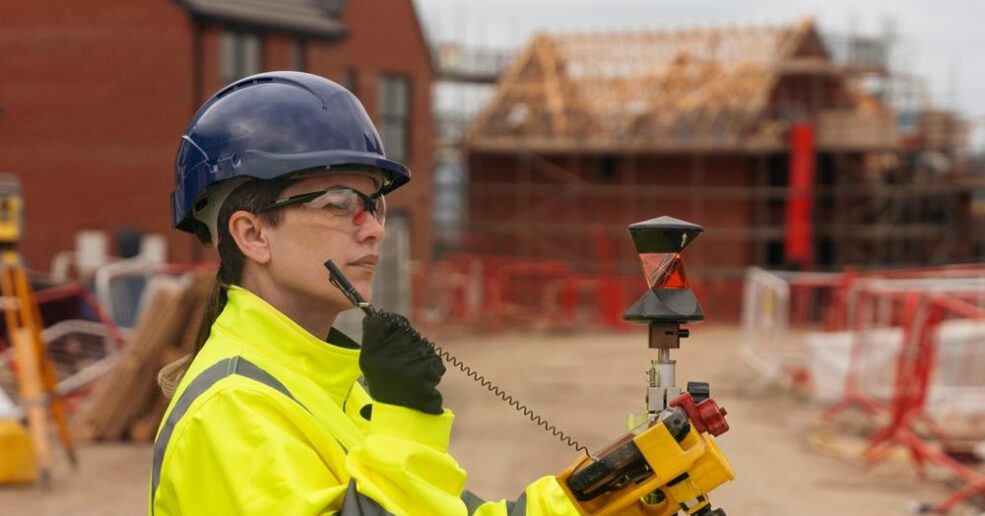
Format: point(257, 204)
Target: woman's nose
point(370, 229)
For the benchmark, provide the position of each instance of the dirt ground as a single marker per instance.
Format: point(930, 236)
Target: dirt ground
point(585, 384)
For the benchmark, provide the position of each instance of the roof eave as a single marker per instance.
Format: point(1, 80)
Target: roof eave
point(323, 27)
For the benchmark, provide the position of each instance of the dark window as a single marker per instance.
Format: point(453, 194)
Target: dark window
point(240, 54)
point(827, 169)
point(299, 55)
point(775, 254)
point(825, 252)
point(776, 178)
point(394, 108)
point(350, 80)
point(777, 169)
point(607, 167)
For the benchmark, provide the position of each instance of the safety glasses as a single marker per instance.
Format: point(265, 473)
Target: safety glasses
point(341, 201)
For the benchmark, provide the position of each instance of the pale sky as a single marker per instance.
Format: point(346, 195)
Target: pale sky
point(943, 40)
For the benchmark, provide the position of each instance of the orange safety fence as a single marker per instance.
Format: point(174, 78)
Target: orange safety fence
point(489, 293)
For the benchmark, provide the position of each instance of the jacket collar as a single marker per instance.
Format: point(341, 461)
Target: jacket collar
point(263, 328)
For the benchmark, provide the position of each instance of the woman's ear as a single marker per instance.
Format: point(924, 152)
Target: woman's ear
point(249, 233)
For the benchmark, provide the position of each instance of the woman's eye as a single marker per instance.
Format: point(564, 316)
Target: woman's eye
point(338, 207)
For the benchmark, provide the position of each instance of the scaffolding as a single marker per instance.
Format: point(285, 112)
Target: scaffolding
point(465, 78)
point(636, 123)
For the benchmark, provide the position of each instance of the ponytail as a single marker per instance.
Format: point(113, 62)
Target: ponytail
point(213, 307)
point(171, 374)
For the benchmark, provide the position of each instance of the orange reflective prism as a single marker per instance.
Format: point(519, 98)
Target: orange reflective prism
point(664, 270)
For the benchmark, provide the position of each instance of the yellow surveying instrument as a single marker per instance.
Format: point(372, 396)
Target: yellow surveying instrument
point(668, 462)
point(35, 372)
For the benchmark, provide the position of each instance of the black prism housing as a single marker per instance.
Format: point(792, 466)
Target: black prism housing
point(664, 305)
point(663, 235)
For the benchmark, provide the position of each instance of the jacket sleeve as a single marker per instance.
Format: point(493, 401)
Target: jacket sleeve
point(543, 497)
point(241, 452)
point(404, 465)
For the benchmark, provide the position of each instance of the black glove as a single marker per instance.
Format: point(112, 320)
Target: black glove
point(400, 366)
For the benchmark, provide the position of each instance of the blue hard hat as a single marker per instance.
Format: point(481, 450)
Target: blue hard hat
point(270, 125)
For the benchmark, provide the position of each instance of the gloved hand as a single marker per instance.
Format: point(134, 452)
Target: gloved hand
point(400, 366)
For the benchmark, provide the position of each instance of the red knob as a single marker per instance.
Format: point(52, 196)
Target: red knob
point(706, 416)
point(712, 417)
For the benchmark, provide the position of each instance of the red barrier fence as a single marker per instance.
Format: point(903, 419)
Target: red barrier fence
point(486, 292)
point(490, 292)
point(922, 312)
point(915, 355)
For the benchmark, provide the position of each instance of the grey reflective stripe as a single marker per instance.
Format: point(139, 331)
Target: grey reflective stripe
point(361, 381)
point(517, 508)
point(358, 504)
point(221, 369)
point(472, 501)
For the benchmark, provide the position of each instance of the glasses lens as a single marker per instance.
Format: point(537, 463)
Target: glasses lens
point(341, 202)
point(380, 210)
point(346, 202)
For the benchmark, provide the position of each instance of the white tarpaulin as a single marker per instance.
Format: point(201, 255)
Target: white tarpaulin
point(957, 383)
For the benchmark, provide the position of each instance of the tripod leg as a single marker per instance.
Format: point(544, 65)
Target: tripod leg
point(48, 377)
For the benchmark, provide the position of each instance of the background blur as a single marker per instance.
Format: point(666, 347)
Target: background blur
point(833, 151)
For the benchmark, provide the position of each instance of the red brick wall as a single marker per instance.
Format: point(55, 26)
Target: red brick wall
point(531, 210)
point(96, 94)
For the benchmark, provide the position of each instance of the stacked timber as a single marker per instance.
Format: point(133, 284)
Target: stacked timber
point(127, 401)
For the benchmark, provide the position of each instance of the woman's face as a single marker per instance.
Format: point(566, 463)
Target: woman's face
point(307, 237)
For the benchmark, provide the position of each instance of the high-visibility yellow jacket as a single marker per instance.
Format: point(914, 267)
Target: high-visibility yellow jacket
point(270, 420)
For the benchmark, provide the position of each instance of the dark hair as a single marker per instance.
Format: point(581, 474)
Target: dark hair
point(251, 196)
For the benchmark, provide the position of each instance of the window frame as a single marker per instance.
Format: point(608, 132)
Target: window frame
point(233, 56)
point(395, 113)
point(299, 54)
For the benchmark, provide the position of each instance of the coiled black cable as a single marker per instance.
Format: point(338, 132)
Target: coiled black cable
point(537, 419)
point(337, 278)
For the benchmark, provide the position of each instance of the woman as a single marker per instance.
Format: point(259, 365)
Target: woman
point(278, 413)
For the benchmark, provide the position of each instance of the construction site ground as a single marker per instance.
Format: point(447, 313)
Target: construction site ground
point(585, 383)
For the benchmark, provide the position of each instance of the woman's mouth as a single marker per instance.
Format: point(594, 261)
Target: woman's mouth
point(367, 262)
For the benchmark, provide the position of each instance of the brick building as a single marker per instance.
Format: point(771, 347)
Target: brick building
point(756, 133)
point(94, 96)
